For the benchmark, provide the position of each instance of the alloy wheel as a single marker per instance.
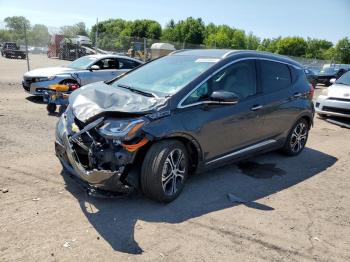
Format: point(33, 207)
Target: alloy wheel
point(173, 171)
point(298, 138)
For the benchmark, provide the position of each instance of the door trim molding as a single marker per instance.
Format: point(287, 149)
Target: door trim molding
point(243, 150)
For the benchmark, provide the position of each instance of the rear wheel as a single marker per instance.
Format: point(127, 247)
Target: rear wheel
point(164, 170)
point(297, 138)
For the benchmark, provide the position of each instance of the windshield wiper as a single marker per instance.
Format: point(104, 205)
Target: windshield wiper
point(132, 89)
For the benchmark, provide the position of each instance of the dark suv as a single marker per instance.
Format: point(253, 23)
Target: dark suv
point(187, 112)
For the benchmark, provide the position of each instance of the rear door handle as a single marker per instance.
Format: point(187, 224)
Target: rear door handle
point(256, 107)
point(297, 95)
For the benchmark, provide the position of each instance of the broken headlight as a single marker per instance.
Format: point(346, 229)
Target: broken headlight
point(121, 129)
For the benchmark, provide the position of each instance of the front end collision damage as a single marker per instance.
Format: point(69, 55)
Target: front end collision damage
point(103, 162)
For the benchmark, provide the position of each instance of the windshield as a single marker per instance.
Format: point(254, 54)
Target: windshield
point(345, 79)
point(82, 62)
point(167, 75)
point(328, 70)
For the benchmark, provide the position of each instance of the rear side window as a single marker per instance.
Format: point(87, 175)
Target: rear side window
point(274, 76)
point(127, 64)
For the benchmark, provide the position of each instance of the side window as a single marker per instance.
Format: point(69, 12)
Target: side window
point(239, 78)
point(107, 63)
point(127, 64)
point(274, 76)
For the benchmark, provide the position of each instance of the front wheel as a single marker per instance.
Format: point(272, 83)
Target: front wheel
point(164, 170)
point(51, 108)
point(297, 138)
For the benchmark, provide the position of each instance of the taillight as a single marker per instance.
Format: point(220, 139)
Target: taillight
point(311, 91)
point(72, 87)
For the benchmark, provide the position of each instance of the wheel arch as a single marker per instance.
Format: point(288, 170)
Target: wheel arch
point(193, 147)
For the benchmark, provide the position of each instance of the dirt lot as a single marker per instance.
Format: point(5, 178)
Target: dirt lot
point(298, 208)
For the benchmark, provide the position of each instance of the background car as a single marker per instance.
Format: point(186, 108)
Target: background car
point(335, 100)
point(82, 71)
point(329, 72)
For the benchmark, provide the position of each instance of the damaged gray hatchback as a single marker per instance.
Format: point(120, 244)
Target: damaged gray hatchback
point(187, 112)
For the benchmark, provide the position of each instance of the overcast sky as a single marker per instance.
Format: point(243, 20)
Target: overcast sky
point(327, 19)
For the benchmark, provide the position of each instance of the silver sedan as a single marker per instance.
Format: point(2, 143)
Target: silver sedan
point(335, 100)
point(85, 70)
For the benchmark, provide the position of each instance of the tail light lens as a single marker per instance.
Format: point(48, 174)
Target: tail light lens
point(311, 91)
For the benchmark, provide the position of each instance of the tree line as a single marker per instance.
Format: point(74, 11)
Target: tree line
point(191, 31)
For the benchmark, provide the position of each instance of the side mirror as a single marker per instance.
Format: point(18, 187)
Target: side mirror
point(332, 81)
point(94, 67)
point(224, 97)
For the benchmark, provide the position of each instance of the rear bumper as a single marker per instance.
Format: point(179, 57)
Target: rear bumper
point(326, 106)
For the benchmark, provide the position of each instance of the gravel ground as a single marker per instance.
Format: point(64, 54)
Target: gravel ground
point(297, 208)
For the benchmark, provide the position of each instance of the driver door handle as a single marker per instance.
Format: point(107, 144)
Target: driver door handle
point(256, 107)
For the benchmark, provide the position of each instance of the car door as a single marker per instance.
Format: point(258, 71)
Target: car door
point(126, 65)
point(279, 97)
point(222, 129)
point(107, 70)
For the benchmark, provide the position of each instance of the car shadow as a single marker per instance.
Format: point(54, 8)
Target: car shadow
point(35, 99)
point(226, 187)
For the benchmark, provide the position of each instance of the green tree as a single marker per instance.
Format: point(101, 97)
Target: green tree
point(17, 23)
point(39, 35)
point(238, 40)
point(252, 42)
point(292, 46)
point(316, 48)
point(219, 37)
point(189, 31)
point(74, 30)
point(342, 50)
point(269, 45)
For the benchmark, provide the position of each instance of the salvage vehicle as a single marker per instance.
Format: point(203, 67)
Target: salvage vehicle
point(12, 50)
point(186, 112)
point(85, 70)
point(335, 100)
point(329, 72)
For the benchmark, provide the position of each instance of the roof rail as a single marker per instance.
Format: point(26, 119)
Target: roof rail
point(228, 53)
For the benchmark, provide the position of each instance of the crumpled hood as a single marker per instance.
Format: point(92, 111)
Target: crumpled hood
point(49, 71)
point(93, 99)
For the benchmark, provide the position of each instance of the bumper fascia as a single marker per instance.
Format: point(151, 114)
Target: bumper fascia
point(100, 179)
point(32, 87)
point(323, 101)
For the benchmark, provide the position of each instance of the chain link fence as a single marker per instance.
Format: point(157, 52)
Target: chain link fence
point(59, 46)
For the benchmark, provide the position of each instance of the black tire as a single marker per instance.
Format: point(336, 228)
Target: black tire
point(61, 109)
point(51, 108)
point(297, 138)
point(157, 166)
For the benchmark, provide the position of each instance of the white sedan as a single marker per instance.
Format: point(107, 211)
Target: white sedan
point(335, 100)
point(85, 70)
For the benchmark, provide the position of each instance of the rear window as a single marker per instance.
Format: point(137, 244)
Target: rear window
point(274, 76)
point(127, 64)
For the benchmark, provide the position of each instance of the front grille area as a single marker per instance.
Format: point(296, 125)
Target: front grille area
point(339, 99)
point(336, 110)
